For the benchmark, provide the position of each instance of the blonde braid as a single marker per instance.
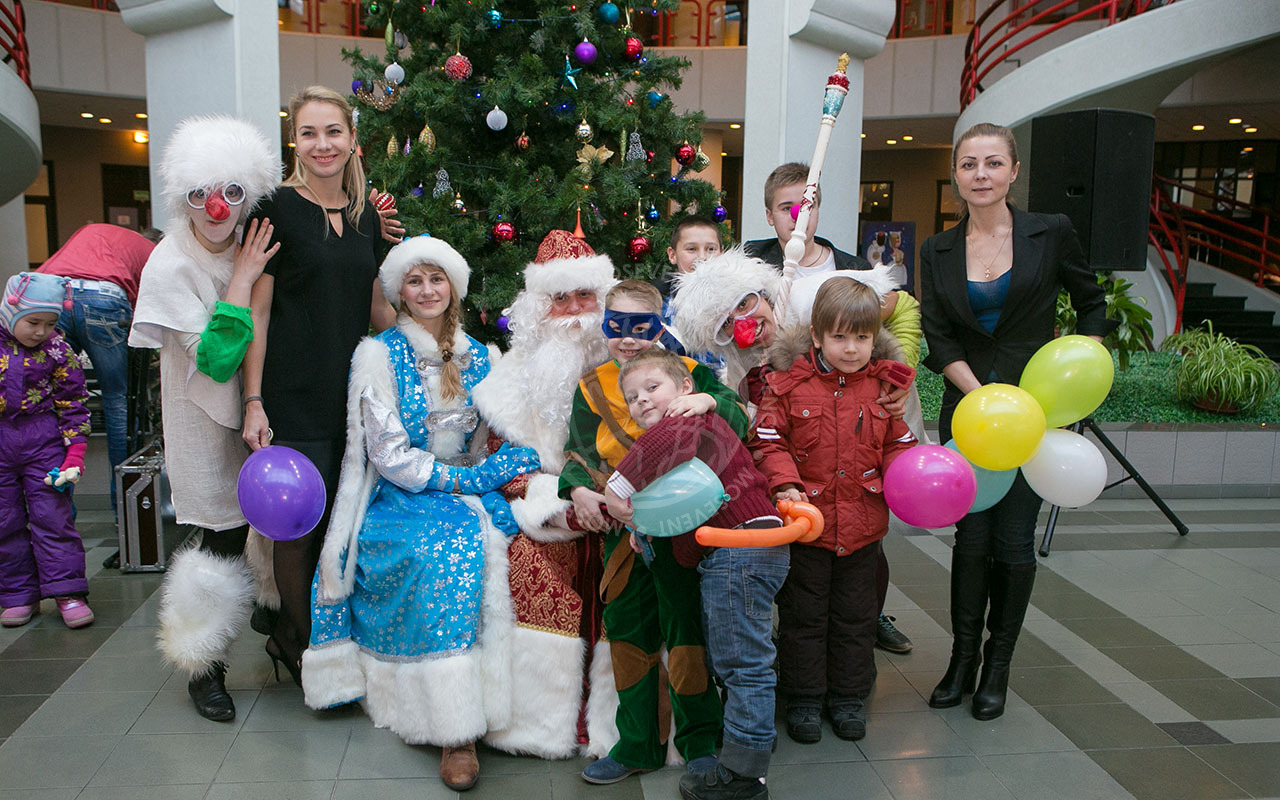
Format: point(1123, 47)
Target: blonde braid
point(450, 375)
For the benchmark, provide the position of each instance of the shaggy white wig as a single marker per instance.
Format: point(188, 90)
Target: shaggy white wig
point(706, 296)
point(208, 152)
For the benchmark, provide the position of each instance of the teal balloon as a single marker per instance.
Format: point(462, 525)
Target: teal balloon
point(679, 501)
point(993, 485)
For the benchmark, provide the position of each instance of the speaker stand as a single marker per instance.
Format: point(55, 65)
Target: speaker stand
point(1131, 473)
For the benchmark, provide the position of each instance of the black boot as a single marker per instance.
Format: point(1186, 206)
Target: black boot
point(1010, 593)
point(969, 575)
point(209, 692)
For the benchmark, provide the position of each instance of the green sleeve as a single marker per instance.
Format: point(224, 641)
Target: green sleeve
point(224, 341)
point(728, 404)
point(904, 324)
point(583, 425)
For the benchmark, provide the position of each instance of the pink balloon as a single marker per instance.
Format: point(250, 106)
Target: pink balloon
point(930, 486)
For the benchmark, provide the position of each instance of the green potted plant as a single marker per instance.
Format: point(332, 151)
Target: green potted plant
point(1218, 373)
point(1132, 335)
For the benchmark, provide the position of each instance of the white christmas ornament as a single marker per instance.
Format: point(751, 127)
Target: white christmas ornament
point(394, 72)
point(496, 119)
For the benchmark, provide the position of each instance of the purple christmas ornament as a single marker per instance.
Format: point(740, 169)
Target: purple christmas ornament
point(719, 213)
point(585, 52)
point(504, 323)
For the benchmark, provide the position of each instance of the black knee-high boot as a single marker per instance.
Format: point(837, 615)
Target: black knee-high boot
point(969, 575)
point(1010, 593)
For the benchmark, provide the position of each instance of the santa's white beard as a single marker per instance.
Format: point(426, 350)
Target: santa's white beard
point(555, 359)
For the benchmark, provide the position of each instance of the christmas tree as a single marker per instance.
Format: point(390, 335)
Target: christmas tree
point(492, 123)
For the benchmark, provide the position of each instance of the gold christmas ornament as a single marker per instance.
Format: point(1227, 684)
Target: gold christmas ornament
point(379, 94)
point(393, 147)
point(583, 133)
point(701, 160)
point(427, 138)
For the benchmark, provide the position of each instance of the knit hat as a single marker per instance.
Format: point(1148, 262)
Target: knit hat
point(420, 251)
point(565, 263)
point(706, 296)
point(33, 293)
point(207, 152)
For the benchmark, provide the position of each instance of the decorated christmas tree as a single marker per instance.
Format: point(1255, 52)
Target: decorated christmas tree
point(494, 122)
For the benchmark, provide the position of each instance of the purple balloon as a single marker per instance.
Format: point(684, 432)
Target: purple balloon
point(281, 493)
point(930, 486)
point(585, 52)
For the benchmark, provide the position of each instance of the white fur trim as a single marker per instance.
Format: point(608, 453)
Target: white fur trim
point(546, 694)
point(540, 512)
point(204, 604)
point(503, 404)
point(258, 554)
point(804, 290)
point(707, 295)
point(498, 623)
point(567, 274)
point(209, 151)
point(331, 676)
point(417, 251)
point(602, 704)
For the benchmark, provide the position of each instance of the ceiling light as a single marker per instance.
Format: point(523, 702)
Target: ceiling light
point(890, 141)
point(86, 115)
point(723, 154)
point(864, 136)
point(907, 138)
point(1247, 150)
point(1197, 127)
point(105, 120)
point(284, 114)
point(1250, 129)
point(735, 126)
point(141, 137)
point(291, 144)
point(141, 115)
point(1234, 121)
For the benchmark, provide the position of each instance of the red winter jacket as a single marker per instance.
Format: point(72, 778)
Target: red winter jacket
point(825, 433)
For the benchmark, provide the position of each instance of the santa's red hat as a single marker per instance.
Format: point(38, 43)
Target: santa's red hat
point(565, 263)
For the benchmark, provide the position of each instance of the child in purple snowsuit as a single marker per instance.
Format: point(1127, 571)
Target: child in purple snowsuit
point(44, 427)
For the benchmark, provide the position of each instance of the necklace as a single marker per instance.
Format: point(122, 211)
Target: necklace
point(822, 254)
point(986, 268)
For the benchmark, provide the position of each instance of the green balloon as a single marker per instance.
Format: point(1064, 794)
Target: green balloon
point(1069, 377)
point(678, 502)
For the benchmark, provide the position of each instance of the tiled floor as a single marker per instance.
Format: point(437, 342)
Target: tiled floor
point(1149, 667)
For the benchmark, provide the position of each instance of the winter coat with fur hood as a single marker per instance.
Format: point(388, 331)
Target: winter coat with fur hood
point(825, 433)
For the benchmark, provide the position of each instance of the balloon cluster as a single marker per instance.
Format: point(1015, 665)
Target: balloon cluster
point(1000, 428)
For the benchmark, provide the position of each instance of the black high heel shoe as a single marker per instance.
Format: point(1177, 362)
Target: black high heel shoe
point(277, 655)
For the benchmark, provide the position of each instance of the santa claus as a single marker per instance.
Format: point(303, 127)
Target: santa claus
point(563, 692)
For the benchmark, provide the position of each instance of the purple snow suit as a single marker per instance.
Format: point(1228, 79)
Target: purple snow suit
point(42, 407)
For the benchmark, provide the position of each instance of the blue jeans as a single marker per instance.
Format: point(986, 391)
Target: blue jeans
point(98, 323)
point(738, 587)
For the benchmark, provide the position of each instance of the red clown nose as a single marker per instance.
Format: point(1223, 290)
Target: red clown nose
point(745, 332)
point(217, 208)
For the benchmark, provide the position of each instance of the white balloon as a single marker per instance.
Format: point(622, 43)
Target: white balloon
point(496, 119)
point(1067, 470)
point(394, 72)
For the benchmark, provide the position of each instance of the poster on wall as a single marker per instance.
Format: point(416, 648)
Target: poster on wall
point(892, 243)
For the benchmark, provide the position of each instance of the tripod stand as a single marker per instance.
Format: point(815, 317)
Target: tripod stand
point(1131, 473)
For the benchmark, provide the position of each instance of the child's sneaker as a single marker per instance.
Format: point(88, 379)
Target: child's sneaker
point(804, 721)
point(17, 616)
point(607, 770)
point(75, 612)
point(722, 783)
point(848, 717)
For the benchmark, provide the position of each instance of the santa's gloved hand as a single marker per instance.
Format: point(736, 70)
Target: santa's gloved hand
point(500, 512)
point(499, 468)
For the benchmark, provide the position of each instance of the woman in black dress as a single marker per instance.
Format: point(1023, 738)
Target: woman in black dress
point(990, 287)
point(315, 300)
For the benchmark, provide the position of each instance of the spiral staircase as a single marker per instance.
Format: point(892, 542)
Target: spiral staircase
point(19, 115)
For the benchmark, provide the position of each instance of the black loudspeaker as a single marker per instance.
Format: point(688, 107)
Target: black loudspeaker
point(1095, 167)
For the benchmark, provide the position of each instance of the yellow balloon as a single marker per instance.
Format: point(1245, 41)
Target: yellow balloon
point(1069, 377)
point(998, 426)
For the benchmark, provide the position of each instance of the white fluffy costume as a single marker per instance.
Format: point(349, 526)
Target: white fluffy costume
point(412, 613)
point(207, 591)
point(554, 570)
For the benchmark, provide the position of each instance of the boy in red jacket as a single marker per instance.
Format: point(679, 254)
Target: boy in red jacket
point(820, 437)
point(738, 584)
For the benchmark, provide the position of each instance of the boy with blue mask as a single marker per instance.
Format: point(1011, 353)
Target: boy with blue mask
point(601, 431)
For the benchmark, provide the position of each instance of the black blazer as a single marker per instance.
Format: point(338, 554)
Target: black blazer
point(1046, 256)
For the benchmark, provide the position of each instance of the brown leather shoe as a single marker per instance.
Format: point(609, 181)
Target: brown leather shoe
point(459, 768)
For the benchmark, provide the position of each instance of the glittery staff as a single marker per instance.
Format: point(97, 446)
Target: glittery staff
point(832, 101)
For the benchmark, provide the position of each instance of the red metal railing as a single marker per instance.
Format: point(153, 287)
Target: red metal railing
point(993, 40)
point(13, 38)
point(1181, 229)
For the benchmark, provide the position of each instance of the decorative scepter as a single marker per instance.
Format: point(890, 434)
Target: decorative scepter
point(832, 102)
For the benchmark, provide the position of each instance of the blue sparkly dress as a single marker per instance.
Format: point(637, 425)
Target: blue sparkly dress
point(411, 612)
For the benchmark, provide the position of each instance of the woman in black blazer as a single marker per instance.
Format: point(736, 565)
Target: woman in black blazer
point(990, 287)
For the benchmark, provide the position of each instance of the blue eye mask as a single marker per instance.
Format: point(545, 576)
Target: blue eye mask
point(620, 325)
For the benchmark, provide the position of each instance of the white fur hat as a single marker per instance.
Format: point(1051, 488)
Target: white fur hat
point(206, 152)
point(565, 263)
point(707, 295)
point(417, 251)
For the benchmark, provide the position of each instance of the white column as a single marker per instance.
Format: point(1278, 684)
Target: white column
point(13, 232)
point(792, 46)
point(207, 57)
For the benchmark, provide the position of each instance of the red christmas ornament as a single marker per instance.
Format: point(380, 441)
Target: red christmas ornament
point(648, 156)
point(639, 247)
point(634, 48)
point(685, 154)
point(504, 232)
point(458, 67)
point(385, 201)
point(522, 142)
